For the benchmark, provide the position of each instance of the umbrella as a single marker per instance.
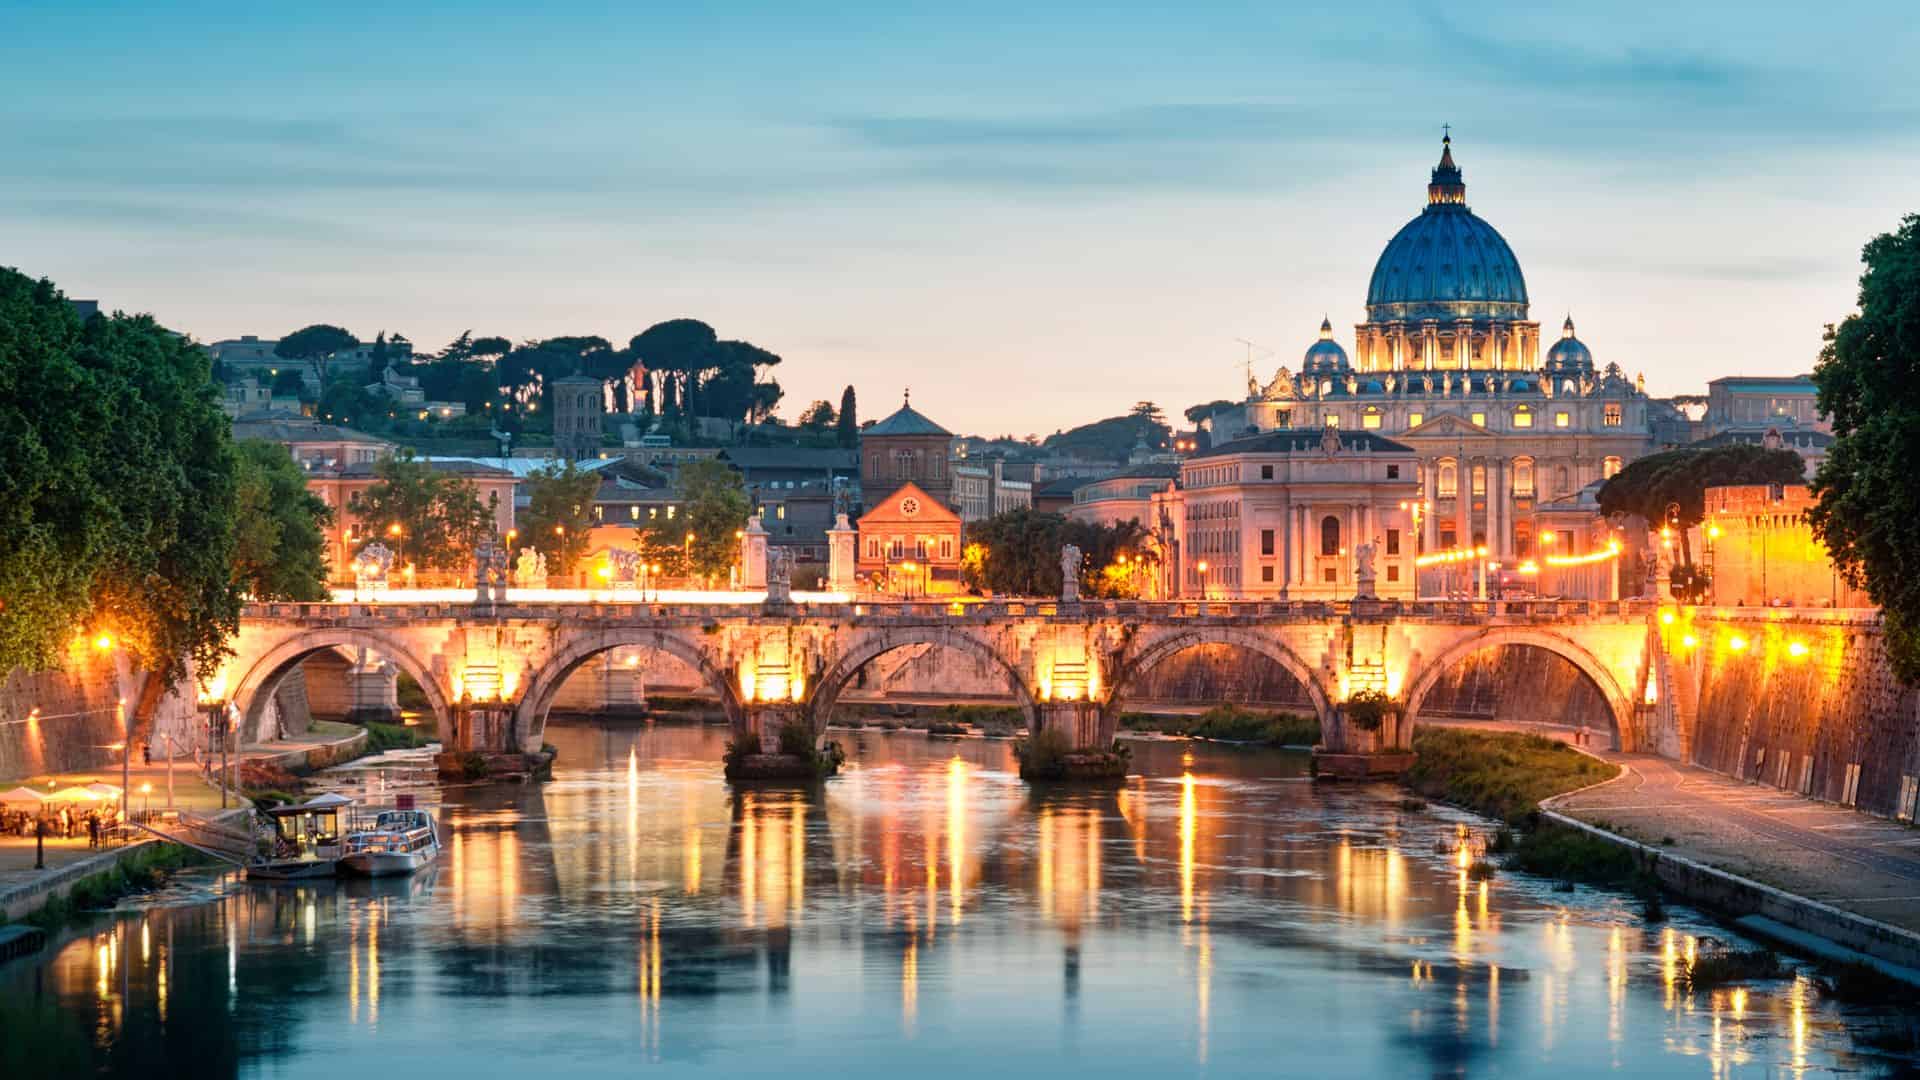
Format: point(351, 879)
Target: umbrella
point(22, 795)
point(104, 789)
point(74, 794)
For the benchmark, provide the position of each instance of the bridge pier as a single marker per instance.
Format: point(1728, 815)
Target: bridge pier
point(1348, 751)
point(480, 743)
point(1084, 723)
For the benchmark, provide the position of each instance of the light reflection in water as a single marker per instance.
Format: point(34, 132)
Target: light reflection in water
point(926, 883)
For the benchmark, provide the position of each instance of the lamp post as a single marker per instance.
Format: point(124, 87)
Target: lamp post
point(1201, 566)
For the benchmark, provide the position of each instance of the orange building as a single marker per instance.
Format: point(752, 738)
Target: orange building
point(1764, 553)
point(909, 545)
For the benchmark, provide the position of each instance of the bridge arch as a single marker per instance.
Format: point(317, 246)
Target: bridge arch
point(874, 643)
point(1619, 702)
point(262, 678)
point(1262, 644)
point(530, 719)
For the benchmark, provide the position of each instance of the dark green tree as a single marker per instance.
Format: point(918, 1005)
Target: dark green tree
point(676, 350)
point(1018, 553)
point(818, 417)
point(713, 507)
point(1670, 488)
point(1869, 500)
point(847, 425)
point(279, 550)
point(287, 382)
point(314, 346)
point(377, 360)
point(558, 520)
point(346, 401)
point(430, 519)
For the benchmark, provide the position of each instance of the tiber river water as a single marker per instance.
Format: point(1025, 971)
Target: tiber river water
point(923, 914)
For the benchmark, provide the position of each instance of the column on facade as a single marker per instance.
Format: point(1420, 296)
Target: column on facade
point(1429, 523)
point(1286, 545)
point(1463, 502)
point(1493, 508)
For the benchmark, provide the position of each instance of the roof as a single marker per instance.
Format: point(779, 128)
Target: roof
point(1066, 485)
point(1446, 263)
point(906, 421)
point(790, 457)
point(520, 467)
point(453, 466)
point(1303, 441)
point(289, 430)
point(1788, 384)
point(928, 509)
point(1757, 436)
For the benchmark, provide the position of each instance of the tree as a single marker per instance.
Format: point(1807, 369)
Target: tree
point(314, 346)
point(279, 550)
point(713, 507)
point(1150, 412)
point(1017, 553)
point(675, 349)
point(377, 360)
point(1670, 488)
point(430, 519)
point(817, 417)
point(1869, 502)
point(116, 488)
point(558, 520)
point(287, 382)
point(346, 401)
point(848, 424)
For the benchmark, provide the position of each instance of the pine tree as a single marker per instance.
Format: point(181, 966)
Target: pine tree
point(849, 420)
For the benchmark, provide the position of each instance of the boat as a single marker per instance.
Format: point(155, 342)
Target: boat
point(399, 842)
point(307, 841)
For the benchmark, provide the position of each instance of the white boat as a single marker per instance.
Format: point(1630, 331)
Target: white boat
point(399, 842)
point(306, 840)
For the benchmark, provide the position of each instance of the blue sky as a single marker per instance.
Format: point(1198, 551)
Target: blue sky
point(1032, 217)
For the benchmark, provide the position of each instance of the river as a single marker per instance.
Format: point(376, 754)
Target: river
point(922, 914)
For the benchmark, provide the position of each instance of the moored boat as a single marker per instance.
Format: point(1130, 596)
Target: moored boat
point(307, 841)
point(398, 842)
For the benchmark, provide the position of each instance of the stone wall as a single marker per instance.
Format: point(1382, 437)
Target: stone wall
point(1521, 684)
point(1803, 701)
point(79, 719)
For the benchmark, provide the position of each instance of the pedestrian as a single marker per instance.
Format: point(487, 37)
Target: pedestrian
point(93, 830)
point(146, 753)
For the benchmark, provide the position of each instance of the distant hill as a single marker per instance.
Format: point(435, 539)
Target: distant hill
point(1111, 439)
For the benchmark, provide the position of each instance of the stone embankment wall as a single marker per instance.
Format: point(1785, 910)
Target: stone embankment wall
point(1803, 701)
point(1521, 684)
point(80, 719)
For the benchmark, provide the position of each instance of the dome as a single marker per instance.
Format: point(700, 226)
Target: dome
point(1569, 354)
point(1447, 264)
point(1325, 357)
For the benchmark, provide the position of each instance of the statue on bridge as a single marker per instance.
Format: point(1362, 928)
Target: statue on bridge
point(1070, 560)
point(371, 566)
point(530, 572)
point(626, 565)
point(779, 575)
point(489, 573)
point(1363, 576)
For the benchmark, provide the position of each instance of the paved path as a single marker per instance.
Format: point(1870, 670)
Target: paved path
point(1854, 861)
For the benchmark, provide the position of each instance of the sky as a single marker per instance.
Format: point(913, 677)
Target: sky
point(1033, 218)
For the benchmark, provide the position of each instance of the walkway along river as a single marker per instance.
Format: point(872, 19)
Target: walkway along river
point(923, 914)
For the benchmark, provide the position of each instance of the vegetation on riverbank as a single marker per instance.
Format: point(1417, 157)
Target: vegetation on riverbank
point(797, 758)
point(1231, 723)
point(144, 869)
point(384, 737)
point(1049, 757)
point(1499, 774)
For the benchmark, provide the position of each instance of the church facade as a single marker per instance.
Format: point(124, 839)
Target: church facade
point(1448, 365)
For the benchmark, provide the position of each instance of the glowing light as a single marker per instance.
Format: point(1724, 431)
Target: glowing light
point(103, 642)
point(1797, 649)
point(1666, 618)
point(1737, 643)
point(1689, 641)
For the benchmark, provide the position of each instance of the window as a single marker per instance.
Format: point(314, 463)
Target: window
point(1371, 420)
point(1610, 414)
point(1480, 419)
point(1393, 472)
point(1560, 481)
point(1448, 484)
point(1561, 418)
point(1523, 478)
point(1266, 472)
point(1522, 417)
point(780, 511)
point(599, 513)
point(1479, 479)
point(1393, 572)
point(873, 547)
point(1329, 535)
point(1266, 573)
point(1330, 575)
point(896, 548)
point(920, 547)
point(1333, 419)
point(1610, 466)
point(1415, 419)
point(1393, 541)
point(946, 547)
point(1266, 541)
point(1449, 539)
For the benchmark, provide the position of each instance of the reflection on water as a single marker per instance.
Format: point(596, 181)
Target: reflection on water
point(923, 913)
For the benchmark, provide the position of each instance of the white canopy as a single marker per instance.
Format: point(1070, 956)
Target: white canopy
point(74, 794)
point(104, 789)
point(317, 804)
point(22, 796)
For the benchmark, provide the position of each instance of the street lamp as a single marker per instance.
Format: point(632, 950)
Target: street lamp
point(1202, 567)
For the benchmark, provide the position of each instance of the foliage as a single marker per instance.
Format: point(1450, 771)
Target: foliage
point(796, 737)
point(116, 487)
point(314, 346)
point(1197, 413)
point(998, 721)
point(1229, 723)
point(287, 382)
point(1670, 487)
point(1862, 982)
point(713, 501)
point(847, 425)
point(279, 551)
point(1869, 380)
point(1498, 774)
point(1577, 856)
point(1043, 756)
point(1690, 583)
point(1368, 709)
point(344, 400)
point(817, 417)
point(384, 737)
point(440, 518)
point(558, 520)
point(1111, 439)
point(144, 869)
point(1018, 553)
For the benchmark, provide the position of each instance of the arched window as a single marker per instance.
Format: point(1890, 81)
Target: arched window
point(1329, 535)
point(1447, 485)
point(1560, 481)
point(1523, 477)
point(1479, 479)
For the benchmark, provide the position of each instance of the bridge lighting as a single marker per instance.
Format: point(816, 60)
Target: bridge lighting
point(103, 642)
point(1689, 641)
point(1797, 649)
point(1737, 643)
point(1666, 618)
point(1713, 532)
point(393, 529)
point(606, 572)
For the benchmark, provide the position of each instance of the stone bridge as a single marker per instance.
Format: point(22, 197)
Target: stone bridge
point(491, 672)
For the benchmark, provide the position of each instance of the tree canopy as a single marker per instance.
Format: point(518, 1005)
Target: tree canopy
point(314, 346)
point(558, 520)
point(279, 550)
point(1112, 439)
point(713, 507)
point(847, 424)
point(116, 487)
point(1017, 553)
point(1670, 487)
point(1869, 381)
point(439, 519)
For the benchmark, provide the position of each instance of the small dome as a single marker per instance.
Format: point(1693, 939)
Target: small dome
point(1569, 354)
point(1325, 357)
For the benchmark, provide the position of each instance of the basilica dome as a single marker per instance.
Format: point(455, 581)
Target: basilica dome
point(1325, 356)
point(1447, 264)
point(1569, 355)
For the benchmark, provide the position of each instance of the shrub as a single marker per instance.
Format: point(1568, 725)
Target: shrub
point(1043, 756)
point(1230, 723)
point(1719, 966)
point(796, 738)
point(384, 737)
point(1367, 709)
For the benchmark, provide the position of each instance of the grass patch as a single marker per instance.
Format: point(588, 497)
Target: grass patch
point(1231, 723)
point(1498, 774)
point(384, 737)
point(1718, 967)
point(144, 869)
